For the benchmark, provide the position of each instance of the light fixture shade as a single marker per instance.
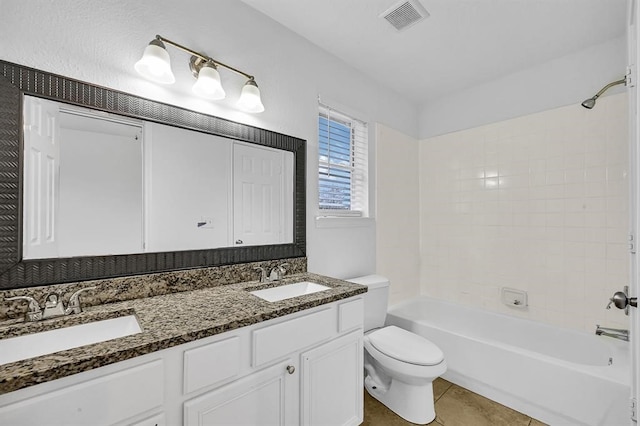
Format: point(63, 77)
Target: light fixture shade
point(250, 98)
point(155, 64)
point(208, 83)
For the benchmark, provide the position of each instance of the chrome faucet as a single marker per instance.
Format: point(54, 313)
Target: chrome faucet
point(53, 306)
point(263, 274)
point(278, 272)
point(616, 333)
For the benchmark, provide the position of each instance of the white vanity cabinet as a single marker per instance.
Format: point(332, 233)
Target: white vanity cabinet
point(303, 368)
point(316, 378)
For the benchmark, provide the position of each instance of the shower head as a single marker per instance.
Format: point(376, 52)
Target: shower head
point(591, 102)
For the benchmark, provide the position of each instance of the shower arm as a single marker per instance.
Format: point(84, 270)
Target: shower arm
point(608, 86)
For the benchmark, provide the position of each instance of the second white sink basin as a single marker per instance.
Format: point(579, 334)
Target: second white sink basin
point(47, 342)
point(287, 291)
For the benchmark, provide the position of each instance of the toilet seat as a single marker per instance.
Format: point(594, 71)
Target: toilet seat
point(405, 346)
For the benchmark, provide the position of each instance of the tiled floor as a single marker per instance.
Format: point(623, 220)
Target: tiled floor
point(455, 406)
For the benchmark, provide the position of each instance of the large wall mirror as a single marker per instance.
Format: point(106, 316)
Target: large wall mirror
point(96, 183)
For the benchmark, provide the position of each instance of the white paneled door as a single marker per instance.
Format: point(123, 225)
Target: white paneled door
point(42, 172)
point(259, 195)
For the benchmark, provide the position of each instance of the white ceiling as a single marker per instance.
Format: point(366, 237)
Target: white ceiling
point(462, 44)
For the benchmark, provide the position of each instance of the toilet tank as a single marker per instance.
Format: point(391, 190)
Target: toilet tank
point(375, 299)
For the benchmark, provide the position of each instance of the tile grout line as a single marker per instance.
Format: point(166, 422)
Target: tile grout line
point(443, 393)
point(438, 399)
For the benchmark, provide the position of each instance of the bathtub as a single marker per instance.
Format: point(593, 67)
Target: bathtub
point(558, 376)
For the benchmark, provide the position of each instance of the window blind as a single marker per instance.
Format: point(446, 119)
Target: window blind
point(343, 163)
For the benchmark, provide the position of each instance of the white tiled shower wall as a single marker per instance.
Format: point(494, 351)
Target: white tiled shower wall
point(538, 203)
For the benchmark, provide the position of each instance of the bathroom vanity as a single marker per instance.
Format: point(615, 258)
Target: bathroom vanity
point(197, 346)
point(217, 355)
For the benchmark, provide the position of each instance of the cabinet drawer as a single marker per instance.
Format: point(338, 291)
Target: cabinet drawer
point(278, 340)
point(103, 401)
point(350, 315)
point(211, 364)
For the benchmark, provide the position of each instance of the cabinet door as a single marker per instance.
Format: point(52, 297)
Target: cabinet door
point(332, 382)
point(262, 398)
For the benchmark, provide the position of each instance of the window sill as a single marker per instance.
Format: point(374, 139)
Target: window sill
point(344, 222)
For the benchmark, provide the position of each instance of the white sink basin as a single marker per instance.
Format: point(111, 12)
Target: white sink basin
point(275, 294)
point(47, 342)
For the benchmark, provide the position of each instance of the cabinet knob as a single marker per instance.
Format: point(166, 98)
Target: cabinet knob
point(238, 241)
point(291, 369)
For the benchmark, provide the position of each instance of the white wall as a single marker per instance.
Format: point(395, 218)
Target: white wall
point(538, 203)
point(397, 207)
point(99, 41)
point(564, 81)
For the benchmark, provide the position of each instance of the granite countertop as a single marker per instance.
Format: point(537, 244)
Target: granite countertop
point(167, 320)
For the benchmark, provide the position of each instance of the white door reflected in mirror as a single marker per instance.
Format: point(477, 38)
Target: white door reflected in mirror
point(263, 195)
point(83, 183)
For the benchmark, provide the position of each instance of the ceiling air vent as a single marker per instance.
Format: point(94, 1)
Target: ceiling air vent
point(405, 14)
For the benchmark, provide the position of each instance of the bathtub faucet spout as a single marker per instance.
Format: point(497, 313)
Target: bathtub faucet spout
point(616, 333)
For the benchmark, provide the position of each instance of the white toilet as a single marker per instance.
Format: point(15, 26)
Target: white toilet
point(400, 366)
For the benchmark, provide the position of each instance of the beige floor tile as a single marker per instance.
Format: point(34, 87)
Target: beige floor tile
point(440, 386)
point(460, 407)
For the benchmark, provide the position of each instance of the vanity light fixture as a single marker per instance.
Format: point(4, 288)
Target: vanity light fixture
point(155, 65)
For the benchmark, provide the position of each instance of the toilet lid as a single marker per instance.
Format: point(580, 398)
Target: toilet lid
point(405, 346)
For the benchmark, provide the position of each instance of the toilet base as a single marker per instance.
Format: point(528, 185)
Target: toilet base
point(413, 403)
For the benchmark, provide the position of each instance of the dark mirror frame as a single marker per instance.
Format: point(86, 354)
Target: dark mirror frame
point(17, 81)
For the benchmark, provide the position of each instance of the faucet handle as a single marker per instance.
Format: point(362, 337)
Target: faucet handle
point(73, 307)
point(609, 304)
point(34, 313)
point(621, 300)
point(33, 303)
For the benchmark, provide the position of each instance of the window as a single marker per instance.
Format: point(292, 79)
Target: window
point(342, 148)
